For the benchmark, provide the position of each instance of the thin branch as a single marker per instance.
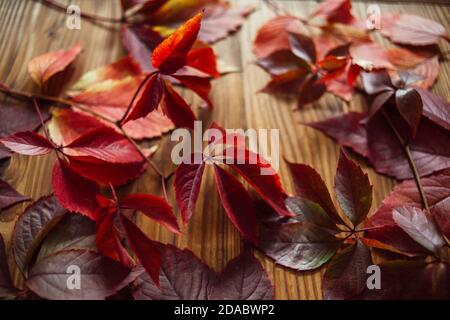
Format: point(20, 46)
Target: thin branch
point(41, 119)
point(88, 16)
point(411, 162)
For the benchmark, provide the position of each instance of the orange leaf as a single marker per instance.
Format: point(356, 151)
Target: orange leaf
point(43, 67)
point(171, 54)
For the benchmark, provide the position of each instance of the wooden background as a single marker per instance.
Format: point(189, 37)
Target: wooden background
point(28, 29)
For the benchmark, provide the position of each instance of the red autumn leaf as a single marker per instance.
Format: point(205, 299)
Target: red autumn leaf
point(176, 109)
point(335, 11)
point(274, 36)
point(32, 227)
point(74, 192)
point(171, 54)
point(68, 125)
point(203, 59)
point(149, 100)
point(237, 203)
point(429, 70)
point(43, 67)
point(409, 104)
point(106, 173)
point(7, 289)
point(188, 178)
point(353, 190)
point(104, 144)
point(261, 176)
point(403, 58)
point(387, 232)
point(100, 277)
point(242, 279)
point(299, 246)
point(108, 239)
point(9, 196)
point(28, 143)
point(146, 250)
point(201, 86)
point(411, 29)
point(17, 117)
point(153, 207)
point(183, 276)
point(420, 227)
point(371, 53)
point(309, 185)
point(310, 91)
point(346, 275)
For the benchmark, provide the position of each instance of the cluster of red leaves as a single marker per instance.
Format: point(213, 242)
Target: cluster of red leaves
point(403, 135)
point(237, 202)
point(325, 52)
point(93, 146)
point(47, 240)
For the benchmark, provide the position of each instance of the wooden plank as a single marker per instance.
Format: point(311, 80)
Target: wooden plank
point(28, 29)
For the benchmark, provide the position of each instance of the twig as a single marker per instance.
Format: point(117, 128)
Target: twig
point(41, 119)
point(411, 162)
point(89, 16)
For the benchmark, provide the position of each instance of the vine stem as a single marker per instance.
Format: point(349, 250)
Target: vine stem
point(89, 16)
point(275, 7)
point(411, 162)
point(65, 102)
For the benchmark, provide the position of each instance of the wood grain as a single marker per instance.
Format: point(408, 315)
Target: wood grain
point(28, 29)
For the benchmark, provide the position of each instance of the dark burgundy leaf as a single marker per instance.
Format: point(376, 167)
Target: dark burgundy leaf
point(309, 185)
point(353, 190)
point(435, 108)
point(100, 276)
point(74, 231)
point(310, 212)
point(188, 178)
point(376, 81)
point(300, 246)
point(420, 227)
point(183, 276)
point(17, 117)
point(345, 277)
point(302, 46)
point(409, 104)
point(237, 203)
point(9, 196)
point(243, 279)
point(310, 91)
point(32, 227)
point(286, 83)
point(280, 62)
point(7, 289)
